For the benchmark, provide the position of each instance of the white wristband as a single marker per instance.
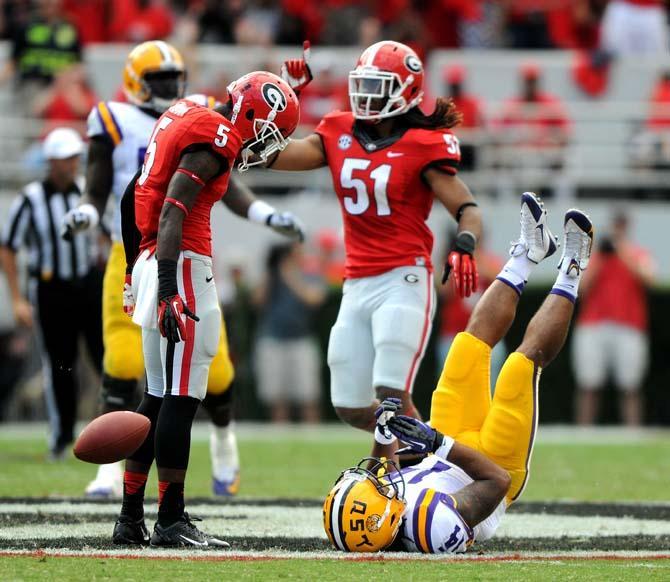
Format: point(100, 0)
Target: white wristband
point(382, 439)
point(260, 211)
point(445, 448)
point(92, 213)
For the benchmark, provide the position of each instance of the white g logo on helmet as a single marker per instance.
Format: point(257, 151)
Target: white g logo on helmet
point(413, 64)
point(274, 96)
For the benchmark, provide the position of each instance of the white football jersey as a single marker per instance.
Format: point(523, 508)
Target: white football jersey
point(431, 522)
point(129, 128)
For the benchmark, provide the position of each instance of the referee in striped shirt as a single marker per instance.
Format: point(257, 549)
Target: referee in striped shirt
point(65, 290)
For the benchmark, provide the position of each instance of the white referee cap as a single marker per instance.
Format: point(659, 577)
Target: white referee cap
point(62, 143)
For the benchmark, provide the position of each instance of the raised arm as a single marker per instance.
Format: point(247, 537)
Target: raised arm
point(300, 154)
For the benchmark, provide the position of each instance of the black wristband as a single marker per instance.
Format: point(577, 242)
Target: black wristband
point(167, 278)
point(461, 209)
point(465, 242)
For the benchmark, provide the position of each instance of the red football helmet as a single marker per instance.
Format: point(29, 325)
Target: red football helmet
point(387, 81)
point(265, 113)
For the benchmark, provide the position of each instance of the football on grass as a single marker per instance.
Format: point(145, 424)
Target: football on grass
point(112, 437)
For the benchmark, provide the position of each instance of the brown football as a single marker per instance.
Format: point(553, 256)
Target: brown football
point(112, 437)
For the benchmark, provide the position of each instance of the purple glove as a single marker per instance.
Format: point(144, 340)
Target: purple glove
point(420, 437)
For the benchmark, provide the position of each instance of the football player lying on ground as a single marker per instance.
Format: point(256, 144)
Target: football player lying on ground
point(478, 450)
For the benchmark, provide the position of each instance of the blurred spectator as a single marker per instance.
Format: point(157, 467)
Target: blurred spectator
point(650, 147)
point(591, 72)
point(575, 24)
point(328, 262)
point(65, 288)
point(140, 20)
point(535, 117)
point(91, 17)
point(288, 363)
point(217, 18)
point(326, 93)
point(527, 23)
point(470, 107)
point(635, 27)
point(455, 311)
point(611, 332)
point(68, 99)
point(258, 24)
point(45, 46)
point(533, 129)
point(442, 20)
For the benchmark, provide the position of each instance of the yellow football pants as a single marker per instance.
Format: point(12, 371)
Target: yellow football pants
point(504, 428)
point(122, 338)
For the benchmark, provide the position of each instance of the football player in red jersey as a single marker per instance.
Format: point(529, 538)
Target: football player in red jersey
point(388, 161)
point(186, 169)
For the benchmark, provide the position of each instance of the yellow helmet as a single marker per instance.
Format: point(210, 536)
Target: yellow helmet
point(363, 511)
point(154, 75)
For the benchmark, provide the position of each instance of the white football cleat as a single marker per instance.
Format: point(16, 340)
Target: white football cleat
point(577, 242)
point(108, 483)
point(536, 240)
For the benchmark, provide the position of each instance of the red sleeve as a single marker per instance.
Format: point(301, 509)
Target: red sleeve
point(440, 149)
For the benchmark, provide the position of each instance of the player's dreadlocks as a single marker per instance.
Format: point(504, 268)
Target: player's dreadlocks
point(444, 116)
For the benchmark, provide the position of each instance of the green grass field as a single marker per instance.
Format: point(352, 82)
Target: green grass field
point(304, 464)
point(326, 570)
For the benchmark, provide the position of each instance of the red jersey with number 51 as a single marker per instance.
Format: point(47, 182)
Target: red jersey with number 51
point(186, 126)
point(384, 197)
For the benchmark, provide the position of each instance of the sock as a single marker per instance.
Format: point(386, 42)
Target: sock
point(566, 286)
point(223, 449)
point(170, 502)
point(516, 271)
point(133, 494)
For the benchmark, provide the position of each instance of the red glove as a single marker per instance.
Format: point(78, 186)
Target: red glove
point(296, 72)
point(172, 314)
point(128, 299)
point(462, 264)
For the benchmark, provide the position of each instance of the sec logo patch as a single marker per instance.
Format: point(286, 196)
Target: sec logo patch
point(344, 143)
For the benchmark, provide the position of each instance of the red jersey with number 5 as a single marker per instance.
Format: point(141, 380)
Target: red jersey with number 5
point(384, 197)
point(186, 126)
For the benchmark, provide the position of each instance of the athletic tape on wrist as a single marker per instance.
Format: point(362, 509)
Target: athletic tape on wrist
point(445, 448)
point(260, 212)
point(197, 179)
point(178, 204)
point(382, 439)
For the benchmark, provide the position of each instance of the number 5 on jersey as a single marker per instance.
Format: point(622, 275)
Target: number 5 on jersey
point(359, 203)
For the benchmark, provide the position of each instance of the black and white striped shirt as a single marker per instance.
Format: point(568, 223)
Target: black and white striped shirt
point(35, 220)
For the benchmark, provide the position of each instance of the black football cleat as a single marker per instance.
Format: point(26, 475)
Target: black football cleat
point(183, 533)
point(130, 532)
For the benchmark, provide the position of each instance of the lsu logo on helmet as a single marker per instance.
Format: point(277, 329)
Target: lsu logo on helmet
point(363, 511)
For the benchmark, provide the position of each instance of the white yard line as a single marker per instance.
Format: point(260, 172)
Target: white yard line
point(306, 523)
